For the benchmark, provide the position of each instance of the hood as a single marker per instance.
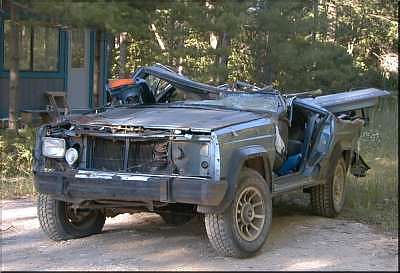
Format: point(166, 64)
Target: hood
point(196, 119)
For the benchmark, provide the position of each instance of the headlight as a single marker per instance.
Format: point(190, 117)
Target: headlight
point(71, 155)
point(53, 147)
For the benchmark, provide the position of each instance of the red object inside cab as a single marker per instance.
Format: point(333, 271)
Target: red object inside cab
point(120, 82)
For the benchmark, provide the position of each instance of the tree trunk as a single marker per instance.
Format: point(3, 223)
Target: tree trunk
point(315, 19)
point(264, 73)
point(14, 70)
point(332, 20)
point(221, 60)
point(122, 55)
point(96, 72)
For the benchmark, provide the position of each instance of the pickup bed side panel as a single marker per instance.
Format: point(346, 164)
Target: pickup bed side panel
point(346, 137)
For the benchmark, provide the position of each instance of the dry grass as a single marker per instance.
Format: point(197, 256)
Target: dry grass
point(374, 198)
point(14, 187)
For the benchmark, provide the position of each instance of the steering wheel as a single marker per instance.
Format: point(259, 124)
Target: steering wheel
point(145, 94)
point(140, 94)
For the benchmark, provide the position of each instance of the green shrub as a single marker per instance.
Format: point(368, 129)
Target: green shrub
point(16, 162)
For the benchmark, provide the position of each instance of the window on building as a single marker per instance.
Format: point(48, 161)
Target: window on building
point(38, 48)
point(77, 48)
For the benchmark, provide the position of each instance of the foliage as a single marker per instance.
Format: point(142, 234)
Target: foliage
point(16, 152)
point(16, 162)
point(295, 45)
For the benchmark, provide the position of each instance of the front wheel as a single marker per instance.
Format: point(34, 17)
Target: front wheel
point(242, 229)
point(60, 221)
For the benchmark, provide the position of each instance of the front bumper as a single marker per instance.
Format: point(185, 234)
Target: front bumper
point(82, 185)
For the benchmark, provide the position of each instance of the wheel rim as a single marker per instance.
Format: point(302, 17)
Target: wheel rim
point(250, 214)
point(338, 188)
point(79, 218)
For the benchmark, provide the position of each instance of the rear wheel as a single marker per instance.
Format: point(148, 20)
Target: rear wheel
point(328, 199)
point(241, 230)
point(60, 221)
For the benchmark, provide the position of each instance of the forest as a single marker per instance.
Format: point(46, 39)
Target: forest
point(293, 45)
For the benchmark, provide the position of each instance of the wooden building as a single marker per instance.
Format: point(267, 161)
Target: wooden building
point(54, 58)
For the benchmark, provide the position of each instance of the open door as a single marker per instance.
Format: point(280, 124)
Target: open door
point(319, 134)
point(78, 70)
point(322, 143)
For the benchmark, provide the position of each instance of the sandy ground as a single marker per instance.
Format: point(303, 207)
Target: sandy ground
point(297, 241)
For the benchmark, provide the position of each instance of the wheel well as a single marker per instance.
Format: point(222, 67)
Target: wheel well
point(257, 164)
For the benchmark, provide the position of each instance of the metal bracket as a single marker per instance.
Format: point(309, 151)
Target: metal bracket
point(166, 191)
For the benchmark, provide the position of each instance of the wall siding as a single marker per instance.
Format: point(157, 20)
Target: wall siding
point(31, 93)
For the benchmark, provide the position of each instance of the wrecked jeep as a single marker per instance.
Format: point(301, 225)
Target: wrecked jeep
point(181, 148)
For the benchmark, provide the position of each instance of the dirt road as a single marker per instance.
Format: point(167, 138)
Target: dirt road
point(297, 241)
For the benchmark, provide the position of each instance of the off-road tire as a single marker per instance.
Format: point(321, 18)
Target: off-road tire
point(54, 221)
point(222, 229)
point(322, 196)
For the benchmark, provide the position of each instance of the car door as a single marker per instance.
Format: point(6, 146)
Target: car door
point(322, 143)
point(319, 137)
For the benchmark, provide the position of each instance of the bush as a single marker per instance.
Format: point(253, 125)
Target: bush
point(16, 162)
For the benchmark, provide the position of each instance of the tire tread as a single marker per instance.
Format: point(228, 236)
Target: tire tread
point(221, 238)
point(52, 224)
point(48, 220)
point(322, 196)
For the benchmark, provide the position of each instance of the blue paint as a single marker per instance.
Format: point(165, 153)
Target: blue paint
point(1, 44)
point(34, 75)
point(105, 52)
point(92, 44)
point(64, 57)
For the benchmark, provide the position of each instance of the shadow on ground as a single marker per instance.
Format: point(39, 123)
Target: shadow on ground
point(297, 240)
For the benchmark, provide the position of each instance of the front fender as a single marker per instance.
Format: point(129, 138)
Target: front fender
point(235, 165)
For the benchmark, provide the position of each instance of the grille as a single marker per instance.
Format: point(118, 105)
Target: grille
point(141, 156)
point(107, 155)
point(148, 157)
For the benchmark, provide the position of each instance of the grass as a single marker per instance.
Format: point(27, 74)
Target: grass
point(374, 199)
point(16, 187)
